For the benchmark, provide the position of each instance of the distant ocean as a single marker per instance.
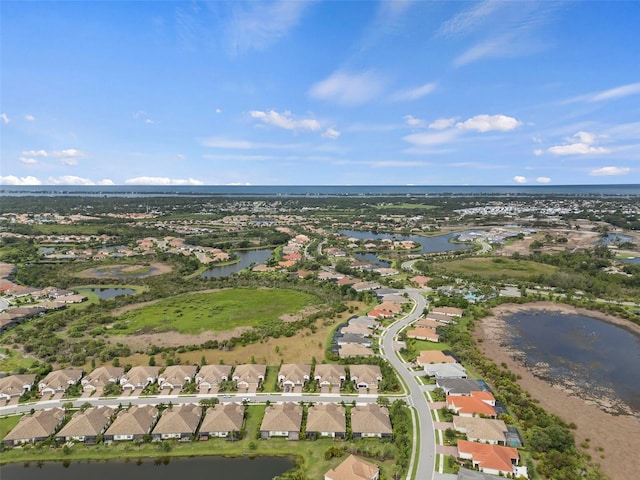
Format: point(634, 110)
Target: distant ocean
point(318, 190)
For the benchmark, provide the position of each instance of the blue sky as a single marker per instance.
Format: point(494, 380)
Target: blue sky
point(308, 93)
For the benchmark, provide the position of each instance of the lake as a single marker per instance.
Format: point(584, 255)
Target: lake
point(246, 259)
point(439, 243)
point(260, 468)
point(106, 293)
point(596, 359)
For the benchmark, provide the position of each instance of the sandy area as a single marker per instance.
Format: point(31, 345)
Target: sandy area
point(175, 339)
point(616, 435)
point(120, 271)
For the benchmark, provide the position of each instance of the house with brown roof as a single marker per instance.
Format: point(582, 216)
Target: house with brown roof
point(370, 420)
point(132, 423)
point(100, 377)
point(249, 377)
point(180, 421)
point(330, 376)
point(354, 350)
point(139, 377)
point(326, 420)
point(353, 468)
point(485, 430)
point(175, 376)
point(478, 403)
point(209, 376)
point(85, 426)
point(15, 385)
point(364, 321)
point(493, 459)
point(426, 323)
point(440, 318)
point(222, 420)
point(293, 375)
point(35, 427)
point(378, 314)
point(423, 334)
point(420, 280)
point(390, 307)
point(365, 376)
point(282, 420)
point(433, 356)
point(59, 380)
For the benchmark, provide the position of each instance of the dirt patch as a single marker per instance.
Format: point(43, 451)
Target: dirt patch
point(126, 271)
point(612, 433)
point(294, 317)
point(174, 339)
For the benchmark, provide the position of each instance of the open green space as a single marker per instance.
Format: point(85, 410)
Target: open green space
point(219, 311)
point(7, 424)
point(497, 267)
point(406, 206)
point(12, 360)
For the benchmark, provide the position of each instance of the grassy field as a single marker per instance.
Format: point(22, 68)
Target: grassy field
point(497, 267)
point(7, 424)
point(218, 311)
point(12, 360)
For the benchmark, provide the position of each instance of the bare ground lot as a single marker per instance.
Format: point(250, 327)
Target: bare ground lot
point(616, 435)
point(126, 271)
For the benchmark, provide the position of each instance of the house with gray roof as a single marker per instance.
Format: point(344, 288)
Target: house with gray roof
point(458, 386)
point(445, 370)
point(282, 420)
point(59, 380)
point(370, 420)
point(85, 426)
point(222, 420)
point(326, 420)
point(364, 321)
point(179, 421)
point(132, 423)
point(101, 377)
point(353, 339)
point(210, 376)
point(466, 474)
point(175, 376)
point(15, 385)
point(35, 427)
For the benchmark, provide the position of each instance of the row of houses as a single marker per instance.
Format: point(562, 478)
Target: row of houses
point(248, 378)
point(185, 421)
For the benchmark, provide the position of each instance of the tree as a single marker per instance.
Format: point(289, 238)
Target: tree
point(152, 361)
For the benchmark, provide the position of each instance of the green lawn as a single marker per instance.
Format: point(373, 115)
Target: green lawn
point(219, 311)
point(12, 360)
point(497, 267)
point(7, 424)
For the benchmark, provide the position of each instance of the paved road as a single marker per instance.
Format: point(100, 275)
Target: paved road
point(425, 456)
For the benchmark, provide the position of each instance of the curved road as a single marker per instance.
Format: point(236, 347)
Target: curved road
point(425, 456)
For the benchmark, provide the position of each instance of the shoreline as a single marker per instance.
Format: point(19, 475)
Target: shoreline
point(606, 432)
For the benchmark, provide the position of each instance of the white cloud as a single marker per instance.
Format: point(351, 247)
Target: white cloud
point(35, 153)
point(425, 138)
point(5, 118)
point(68, 153)
point(235, 144)
point(608, 171)
point(487, 123)
point(520, 179)
point(162, 181)
point(543, 179)
point(583, 146)
point(218, 110)
point(413, 121)
point(13, 180)
point(258, 25)
point(348, 88)
point(74, 180)
point(331, 133)
point(106, 181)
point(238, 184)
point(469, 19)
point(148, 121)
point(69, 156)
point(538, 151)
point(442, 123)
point(414, 93)
point(28, 160)
point(285, 120)
point(610, 94)
point(30, 118)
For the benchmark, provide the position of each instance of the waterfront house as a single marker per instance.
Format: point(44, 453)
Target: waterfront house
point(439, 318)
point(426, 323)
point(433, 356)
point(478, 403)
point(445, 370)
point(485, 430)
point(175, 376)
point(423, 334)
point(365, 376)
point(100, 377)
point(222, 420)
point(35, 427)
point(293, 376)
point(370, 420)
point(132, 423)
point(449, 311)
point(179, 421)
point(493, 459)
point(85, 426)
point(330, 376)
point(458, 386)
point(326, 420)
point(15, 385)
point(282, 420)
point(353, 468)
point(139, 377)
point(249, 377)
point(58, 381)
point(210, 376)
